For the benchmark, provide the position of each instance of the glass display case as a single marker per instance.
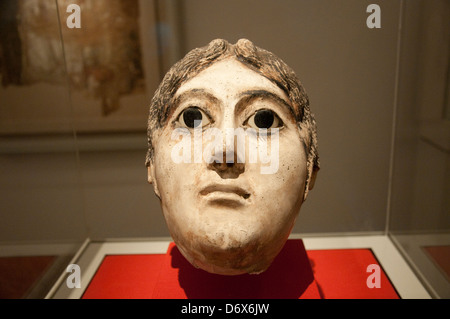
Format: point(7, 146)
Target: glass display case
point(77, 79)
point(419, 217)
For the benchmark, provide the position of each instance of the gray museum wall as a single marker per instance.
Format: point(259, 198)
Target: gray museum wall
point(349, 72)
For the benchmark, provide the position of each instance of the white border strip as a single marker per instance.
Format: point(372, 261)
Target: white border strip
point(62, 276)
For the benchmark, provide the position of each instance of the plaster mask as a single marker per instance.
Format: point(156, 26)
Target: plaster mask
point(230, 169)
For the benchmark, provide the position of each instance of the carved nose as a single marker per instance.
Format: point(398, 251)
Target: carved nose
point(227, 168)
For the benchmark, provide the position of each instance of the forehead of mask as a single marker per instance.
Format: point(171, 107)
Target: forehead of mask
point(228, 79)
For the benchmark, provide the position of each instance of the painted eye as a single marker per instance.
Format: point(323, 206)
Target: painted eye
point(193, 117)
point(264, 119)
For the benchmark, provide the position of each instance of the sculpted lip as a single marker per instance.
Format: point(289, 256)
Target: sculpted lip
point(230, 189)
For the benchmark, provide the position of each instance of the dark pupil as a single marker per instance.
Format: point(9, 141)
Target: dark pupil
point(264, 119)
point(191, 115)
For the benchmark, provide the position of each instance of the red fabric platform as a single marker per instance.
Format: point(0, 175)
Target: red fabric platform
point(294, 274)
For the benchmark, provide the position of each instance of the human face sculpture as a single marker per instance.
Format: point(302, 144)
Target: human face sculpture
point(230, 212)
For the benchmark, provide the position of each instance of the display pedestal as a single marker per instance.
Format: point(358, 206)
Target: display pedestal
point(294, 274)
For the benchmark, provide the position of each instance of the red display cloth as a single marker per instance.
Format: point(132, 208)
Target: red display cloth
point(343, 274)
point(170, 275)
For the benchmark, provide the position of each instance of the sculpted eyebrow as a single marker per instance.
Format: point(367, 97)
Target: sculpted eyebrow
point(194, 93)
point(249, 96)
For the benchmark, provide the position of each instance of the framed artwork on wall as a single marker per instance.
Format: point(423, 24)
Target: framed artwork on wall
point(96, 76)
